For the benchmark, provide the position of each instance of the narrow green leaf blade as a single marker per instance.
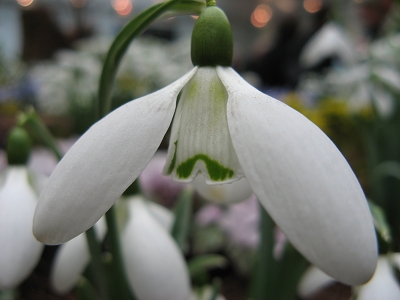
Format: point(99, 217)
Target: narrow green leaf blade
point(183, 213)
point(382, 227)
point(128, 33)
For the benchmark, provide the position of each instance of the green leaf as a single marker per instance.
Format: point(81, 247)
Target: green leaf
point(183, 213)
point(199, 266)
point(385, 169)
point(128, 33)
point(8, 295)
point(86, 291)
point(272, 278)
point(382, 227)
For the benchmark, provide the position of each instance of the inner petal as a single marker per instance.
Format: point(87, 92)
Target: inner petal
point(200, 139)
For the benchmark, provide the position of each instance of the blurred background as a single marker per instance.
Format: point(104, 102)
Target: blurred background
point(337, 62)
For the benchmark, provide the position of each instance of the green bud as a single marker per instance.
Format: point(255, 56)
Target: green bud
point(212, 40)
point(18, 146)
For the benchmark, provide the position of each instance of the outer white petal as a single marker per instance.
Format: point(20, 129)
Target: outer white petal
point(155, 266)
point(19, 250)
point(303, 181)
point(383, 285)
point(102, 164)
point(312, 281)
point(71, 260)
point(228, 193)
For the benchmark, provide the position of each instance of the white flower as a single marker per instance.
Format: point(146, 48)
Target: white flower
point(365, 85)
point(224, 129)
point(330, 41)
point(154, 264)
point(382, 286)
point(71, 260)
point(312, 281)
point(294, 169)
point(19, 250)
point(73, 257)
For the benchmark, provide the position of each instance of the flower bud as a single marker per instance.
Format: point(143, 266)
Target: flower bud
point(18, 146)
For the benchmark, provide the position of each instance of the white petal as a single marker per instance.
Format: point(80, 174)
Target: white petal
point(227, 193)
point(163, 215)
point(155, 266)
point(19, 250)
point(383, 285)
point(71, 260)
point(102, 164)
point(200, 140)
point(303, 181)
point(312, 281)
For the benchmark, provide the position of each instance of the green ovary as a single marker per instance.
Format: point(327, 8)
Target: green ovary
point(216, 171)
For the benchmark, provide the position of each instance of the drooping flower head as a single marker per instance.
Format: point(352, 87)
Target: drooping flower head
point(223, 129)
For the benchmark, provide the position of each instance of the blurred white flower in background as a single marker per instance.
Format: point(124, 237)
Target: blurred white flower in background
point(154, 264)
point(365, 85)
point(19, 249)
point(382, 286)
point(71, 260)
point(330, 42)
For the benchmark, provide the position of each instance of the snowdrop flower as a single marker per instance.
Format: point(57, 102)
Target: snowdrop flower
point(223, 129)
point(329, 42)
point(19, 250)
point(154, 264)
point(73, 257)
point(312, 281)
point(383, 285)
point(71, 260)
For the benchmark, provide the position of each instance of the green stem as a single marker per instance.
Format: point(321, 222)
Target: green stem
point(211, 3)
point(97, 263)
point(32, 122)
point(275, 278)
point(124, 291)
point(260, 287)
point(125, 37)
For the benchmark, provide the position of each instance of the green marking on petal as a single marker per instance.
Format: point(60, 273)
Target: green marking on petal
point(216, 171)
point(173, 161)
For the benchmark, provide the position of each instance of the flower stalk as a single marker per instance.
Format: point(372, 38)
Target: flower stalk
point(117, 265)
point(97, 263)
